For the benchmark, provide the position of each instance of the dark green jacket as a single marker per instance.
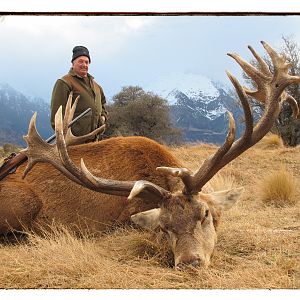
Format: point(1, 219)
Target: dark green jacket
point(91, 95)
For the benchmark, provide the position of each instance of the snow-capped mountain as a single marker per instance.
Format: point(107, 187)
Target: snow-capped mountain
point(198, 106)
point(192, 86)
point(16, 112)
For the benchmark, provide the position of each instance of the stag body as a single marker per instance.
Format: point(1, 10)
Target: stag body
point(46, 195)
point(140, 178)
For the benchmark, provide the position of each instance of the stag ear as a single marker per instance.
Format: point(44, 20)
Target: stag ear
point(227, 198)
point(148, 219)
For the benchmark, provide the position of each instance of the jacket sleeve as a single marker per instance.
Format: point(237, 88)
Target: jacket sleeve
point(59, 97)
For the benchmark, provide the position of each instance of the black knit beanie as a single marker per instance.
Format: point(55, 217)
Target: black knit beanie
point(80, 51)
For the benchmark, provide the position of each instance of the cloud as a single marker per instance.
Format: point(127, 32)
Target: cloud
point(107, 34)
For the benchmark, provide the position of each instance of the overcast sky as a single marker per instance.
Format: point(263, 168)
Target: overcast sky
point(131, 50)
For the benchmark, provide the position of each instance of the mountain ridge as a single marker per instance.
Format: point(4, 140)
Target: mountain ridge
point(16, 112)
point(200, 109)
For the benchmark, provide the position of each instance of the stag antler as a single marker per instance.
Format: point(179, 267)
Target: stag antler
point(263, 77)
point(57, 155)
point(69, 113)
point(38, 150)
point(270, 89)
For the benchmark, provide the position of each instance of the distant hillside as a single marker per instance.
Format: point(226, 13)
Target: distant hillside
point(198, 106)
point(15, 114)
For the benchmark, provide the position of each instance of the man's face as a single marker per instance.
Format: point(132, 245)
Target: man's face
point(81, 66)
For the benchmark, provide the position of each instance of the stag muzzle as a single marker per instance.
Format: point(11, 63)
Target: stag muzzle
point(192, 263)
point(189, 260)
point(189, 253)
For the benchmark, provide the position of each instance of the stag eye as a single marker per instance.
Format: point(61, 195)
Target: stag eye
point(165, 228)
point(205, 216)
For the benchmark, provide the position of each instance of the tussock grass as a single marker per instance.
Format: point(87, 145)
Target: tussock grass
point(270, 141)
point(278, 188)
point(258, 245)
point(221, 181)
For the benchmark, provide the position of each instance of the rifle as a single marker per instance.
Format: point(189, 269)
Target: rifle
point(14, 160)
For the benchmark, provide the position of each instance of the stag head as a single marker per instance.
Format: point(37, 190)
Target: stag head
point(189, 223)
point(188, 218)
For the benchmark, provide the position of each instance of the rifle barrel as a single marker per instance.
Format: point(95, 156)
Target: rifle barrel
point(52, 137)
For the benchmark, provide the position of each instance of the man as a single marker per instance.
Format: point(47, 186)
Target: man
point(80, 82)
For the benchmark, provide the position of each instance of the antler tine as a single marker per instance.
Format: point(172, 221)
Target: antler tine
point(279, 61)
point(294, 105)
point(245, 104)
point(31, 138)
point(76, 140)
point(69, 112)
point(264, 68)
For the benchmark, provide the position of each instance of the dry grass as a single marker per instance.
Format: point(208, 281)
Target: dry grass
point(258, 245)
point(221, 181)
point(278, 188)
point(270, 141)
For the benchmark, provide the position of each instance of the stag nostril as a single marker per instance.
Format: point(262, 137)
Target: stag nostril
point(195, 263)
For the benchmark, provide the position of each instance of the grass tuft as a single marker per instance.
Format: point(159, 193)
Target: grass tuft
point(222, 181)
point(270, 141)
point(278, 188)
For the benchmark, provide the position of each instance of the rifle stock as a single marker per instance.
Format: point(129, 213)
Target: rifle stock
point(11, 164)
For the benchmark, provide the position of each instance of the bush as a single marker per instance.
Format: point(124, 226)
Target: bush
point(1, 152)
point(278, 189)
point(9, 148)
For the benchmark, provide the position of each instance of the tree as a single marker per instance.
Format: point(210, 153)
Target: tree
point(285, 126)
point(140, 113)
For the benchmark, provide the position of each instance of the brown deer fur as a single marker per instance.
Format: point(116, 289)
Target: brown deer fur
point(46, 195)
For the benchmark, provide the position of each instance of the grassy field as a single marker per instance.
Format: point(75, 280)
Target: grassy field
point(258, 243)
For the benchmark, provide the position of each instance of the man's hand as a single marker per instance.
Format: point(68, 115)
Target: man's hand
point(103, 119)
